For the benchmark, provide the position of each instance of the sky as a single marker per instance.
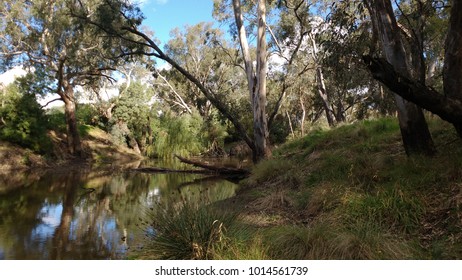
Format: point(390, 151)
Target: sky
point(164, 15)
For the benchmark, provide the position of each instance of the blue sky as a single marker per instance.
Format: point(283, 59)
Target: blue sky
point(164, 15)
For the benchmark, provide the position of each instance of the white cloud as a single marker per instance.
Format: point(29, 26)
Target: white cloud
point(161, 2)
point(9, 76)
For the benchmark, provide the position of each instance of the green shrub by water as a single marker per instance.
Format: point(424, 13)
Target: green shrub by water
point(186, 231)
point(23, 122)
point(192, 230)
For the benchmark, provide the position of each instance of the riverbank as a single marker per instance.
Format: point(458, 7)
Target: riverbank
point(352, 193)
point(98, 149)
point(19, 165)
point(346, 193)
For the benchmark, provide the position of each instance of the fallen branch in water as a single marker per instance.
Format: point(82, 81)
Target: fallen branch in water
point(168, 170)
point(217, 169)
point(206, 169)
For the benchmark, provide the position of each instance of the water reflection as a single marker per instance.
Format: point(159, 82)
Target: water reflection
point(82, 214)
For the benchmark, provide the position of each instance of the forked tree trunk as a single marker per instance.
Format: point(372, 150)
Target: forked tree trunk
point(322, 89)
point(256, 81)
point(260, 123)
point(414, 130)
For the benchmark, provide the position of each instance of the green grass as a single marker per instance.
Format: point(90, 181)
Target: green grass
point(352, 193)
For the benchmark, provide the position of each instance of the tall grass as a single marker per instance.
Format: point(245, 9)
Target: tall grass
point(332, 240)
point(194, 231)
point(186, 230)
point(358, 196)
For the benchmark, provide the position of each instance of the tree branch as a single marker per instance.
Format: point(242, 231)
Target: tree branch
point(51, 101)
point(449, 109)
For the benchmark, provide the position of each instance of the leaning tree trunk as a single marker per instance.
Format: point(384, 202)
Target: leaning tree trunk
point(414, 130)
point(452, 72)
point(322, 89)
point(73, 138)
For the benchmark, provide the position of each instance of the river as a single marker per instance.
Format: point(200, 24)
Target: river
point(84, 213)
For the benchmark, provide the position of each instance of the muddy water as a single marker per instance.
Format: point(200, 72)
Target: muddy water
point(81, 213)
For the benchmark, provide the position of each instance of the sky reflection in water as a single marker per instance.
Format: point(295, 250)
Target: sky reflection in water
point(89, 215)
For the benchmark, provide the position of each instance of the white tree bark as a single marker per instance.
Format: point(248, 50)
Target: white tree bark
point(256, 80)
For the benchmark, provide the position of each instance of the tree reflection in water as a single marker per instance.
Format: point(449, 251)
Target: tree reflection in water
point(90, 215)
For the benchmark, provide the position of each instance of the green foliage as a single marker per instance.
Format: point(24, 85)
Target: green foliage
point(279, 131)
point(23, 122)
point(86, 114)
point(132, 113)
point(57, 119)
point(213, 131)
point(179, 135)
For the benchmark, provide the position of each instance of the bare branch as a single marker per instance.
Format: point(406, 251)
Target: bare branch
point(51, 101)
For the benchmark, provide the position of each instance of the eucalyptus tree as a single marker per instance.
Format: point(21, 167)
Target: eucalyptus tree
point(121, 20)
point(293, 41)
point(394, 71)
point(414, 130)
point(44, 34)
point(249, 27)
point(256, 75)
point(131, 115)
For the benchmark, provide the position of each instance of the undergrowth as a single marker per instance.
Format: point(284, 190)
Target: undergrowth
point(346, 193)
point(189, 230)
point(352, 193)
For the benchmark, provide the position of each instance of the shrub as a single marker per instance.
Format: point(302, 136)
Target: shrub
point(177, 135)
point(23, 122)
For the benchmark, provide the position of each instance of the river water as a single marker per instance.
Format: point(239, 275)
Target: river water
point(83, 213)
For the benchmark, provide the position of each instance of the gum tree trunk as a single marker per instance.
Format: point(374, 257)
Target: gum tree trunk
point(73, 138)
point(322, 89)
point(256, 81)
point(414, 130)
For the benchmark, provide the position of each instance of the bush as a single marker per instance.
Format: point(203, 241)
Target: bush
point(179, 135)
point(23, 122)
point(86, 114)
point(57, 120)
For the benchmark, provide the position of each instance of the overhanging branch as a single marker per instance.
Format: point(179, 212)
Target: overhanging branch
point(449, 109)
